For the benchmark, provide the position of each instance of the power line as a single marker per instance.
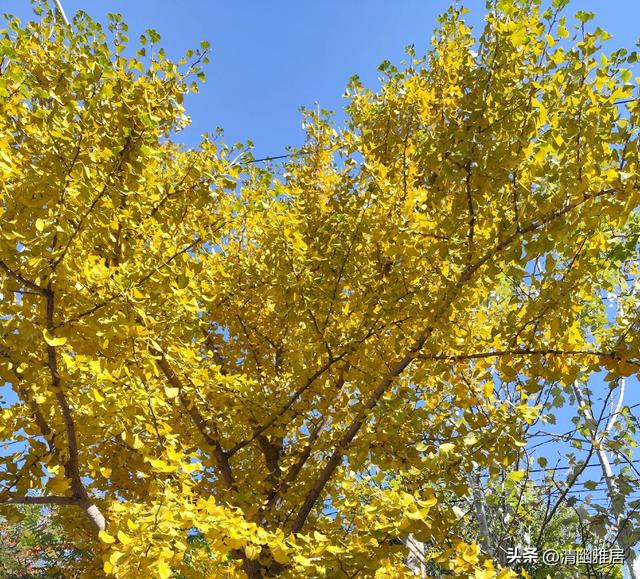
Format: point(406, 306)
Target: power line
point(273, 158)
point(297, 153)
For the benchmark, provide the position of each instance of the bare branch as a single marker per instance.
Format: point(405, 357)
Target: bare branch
point(20, 278)
point(46, 500)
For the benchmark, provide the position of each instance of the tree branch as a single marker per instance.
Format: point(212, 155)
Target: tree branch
point(20, 278)
point(292, 399)
point(47, 500)
point(525, 352)
point(448, 298)
point(222, 457)
point(71, 465)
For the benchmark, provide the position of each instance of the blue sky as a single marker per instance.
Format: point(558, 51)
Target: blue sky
point(270, 58)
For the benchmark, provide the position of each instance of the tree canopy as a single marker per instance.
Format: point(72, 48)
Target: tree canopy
point(215, 368)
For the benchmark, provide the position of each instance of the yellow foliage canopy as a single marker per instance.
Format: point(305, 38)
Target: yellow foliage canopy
point(221, 371)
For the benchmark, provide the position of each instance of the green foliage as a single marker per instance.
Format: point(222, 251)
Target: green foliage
point(36, 547)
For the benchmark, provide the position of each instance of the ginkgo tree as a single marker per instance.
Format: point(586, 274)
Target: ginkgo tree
point(216, 369)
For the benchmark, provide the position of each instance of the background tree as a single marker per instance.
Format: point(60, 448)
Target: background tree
point(35, 546)
point(225, 369)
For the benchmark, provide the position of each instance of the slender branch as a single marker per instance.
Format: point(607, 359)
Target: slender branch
point(20, 278)
point(71, 465)
point(25, 394)
point(293, 472)
point(91, 207)
point(448, 298)
point(613, 417)
point(209, 435)
point(138, 284)
point(525, 352)
point(350, 433)
point(472, 215)
point(572, 480)
point(46, 500)
point(292, 399)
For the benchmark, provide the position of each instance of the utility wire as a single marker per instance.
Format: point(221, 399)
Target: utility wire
point(274, 158)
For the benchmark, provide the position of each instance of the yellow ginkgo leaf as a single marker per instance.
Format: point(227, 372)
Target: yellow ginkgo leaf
point(164, 571)
point(97, 396)
point(252, 551)
point(280, 555)
point(124, 538)
point(447, 447)
point(171, 392)
point(53, 340)
point(106, 537)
